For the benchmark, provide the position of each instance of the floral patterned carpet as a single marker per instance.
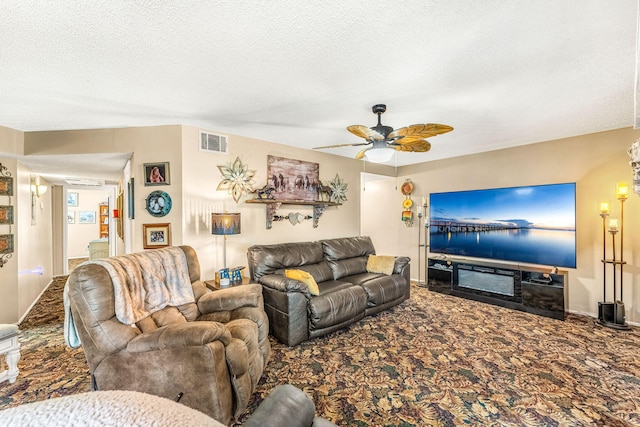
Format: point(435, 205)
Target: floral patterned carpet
point(434, 360)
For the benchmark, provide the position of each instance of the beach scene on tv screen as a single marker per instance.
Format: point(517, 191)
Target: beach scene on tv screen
point(533, 225)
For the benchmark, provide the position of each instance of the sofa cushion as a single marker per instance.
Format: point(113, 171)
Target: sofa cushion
point(348, 247)
point(274, 259)
point(381, 264)
point(338, 302)
point(347, 256)
point(383, 289)
point(305, 278)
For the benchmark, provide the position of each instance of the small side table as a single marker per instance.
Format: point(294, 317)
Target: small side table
point(10, 349)
point(211, 284)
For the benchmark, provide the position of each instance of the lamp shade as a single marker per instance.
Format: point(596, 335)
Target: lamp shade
point(380, 155)
point(225, 223)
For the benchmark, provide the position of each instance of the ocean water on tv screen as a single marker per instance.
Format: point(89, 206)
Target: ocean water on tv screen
point(532, 246)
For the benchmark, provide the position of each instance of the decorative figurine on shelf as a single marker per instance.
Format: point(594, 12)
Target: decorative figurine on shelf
point(266, 191)
point(324, 192)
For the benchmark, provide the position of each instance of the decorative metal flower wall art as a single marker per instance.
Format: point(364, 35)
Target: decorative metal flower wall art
point(338, 190)
point(237, 179)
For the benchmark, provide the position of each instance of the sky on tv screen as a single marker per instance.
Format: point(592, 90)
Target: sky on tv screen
point(542, 206)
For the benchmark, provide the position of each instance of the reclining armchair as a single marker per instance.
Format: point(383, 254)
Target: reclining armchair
point(205, 349)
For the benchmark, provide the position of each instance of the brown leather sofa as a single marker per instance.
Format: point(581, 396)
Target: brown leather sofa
point(208, 354)
point(348, 292)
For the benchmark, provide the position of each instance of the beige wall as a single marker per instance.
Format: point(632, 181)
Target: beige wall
point(35, 242)
point(148, 145)
point(20, 279)
point(595, 162)
point(9, 272)
point(201, 177)
point(194, 176)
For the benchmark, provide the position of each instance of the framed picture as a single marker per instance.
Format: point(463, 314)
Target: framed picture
point(71, 217)
point(6, 243)
point(130, 199)
point(119, 203)
point(293, 179)
point(6, 186)
point(72, 199)
point(156, 235)
point(86, 217)
point(156, 173)
point(6, 214)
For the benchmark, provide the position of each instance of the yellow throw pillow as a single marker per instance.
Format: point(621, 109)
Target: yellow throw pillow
point(381, 264)
point(305, 278)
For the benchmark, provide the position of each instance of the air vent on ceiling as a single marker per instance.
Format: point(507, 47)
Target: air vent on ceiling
point(213, 142)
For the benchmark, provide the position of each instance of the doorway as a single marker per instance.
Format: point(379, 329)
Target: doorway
point(90, 225)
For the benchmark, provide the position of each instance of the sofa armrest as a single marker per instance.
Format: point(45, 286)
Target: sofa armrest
point(229, 299)
point(180, 335)
point(400, 264)
point(286, 405)
point(284, 284)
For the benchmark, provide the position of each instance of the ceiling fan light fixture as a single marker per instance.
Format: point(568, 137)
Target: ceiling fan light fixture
point(384, 140)
point(379, 155)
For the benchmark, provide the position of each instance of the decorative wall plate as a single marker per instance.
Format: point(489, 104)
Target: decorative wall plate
point(407, 216)
point(158, 203)
point(407, 187)
point(407, 203)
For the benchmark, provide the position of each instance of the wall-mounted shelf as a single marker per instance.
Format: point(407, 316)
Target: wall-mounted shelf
point(272, 207)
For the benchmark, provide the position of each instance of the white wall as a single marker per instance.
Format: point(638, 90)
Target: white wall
point(79, 235)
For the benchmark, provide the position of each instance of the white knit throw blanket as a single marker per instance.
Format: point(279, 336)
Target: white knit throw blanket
point(144, 283)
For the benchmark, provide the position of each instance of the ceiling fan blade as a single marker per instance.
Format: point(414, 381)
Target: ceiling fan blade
point(418, 132)
point(419, 146)
point(365, 132)
point(341, 145)
point(361, 154)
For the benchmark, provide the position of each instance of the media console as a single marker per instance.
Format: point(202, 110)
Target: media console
point(529, 289)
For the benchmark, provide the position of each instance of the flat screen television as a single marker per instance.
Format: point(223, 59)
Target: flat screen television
point(532, 225)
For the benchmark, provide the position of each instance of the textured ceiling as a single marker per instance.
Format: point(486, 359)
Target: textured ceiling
point(502, 73)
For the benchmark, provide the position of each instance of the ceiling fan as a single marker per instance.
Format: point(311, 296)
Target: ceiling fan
point(384, 139)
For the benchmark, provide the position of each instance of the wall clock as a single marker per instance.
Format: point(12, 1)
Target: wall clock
point(158, 203)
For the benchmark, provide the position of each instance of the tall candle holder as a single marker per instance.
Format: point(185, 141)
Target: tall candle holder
point(612, 314)
point(422, 212)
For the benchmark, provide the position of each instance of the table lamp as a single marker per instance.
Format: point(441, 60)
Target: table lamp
point(223, 224)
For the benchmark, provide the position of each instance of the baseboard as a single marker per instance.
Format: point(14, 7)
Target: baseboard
point(595, 316)
point(35, 301)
